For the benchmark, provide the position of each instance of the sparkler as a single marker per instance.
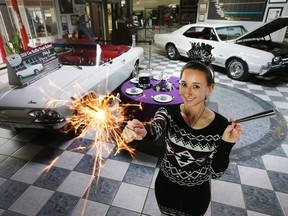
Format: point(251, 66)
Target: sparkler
point(102, 115)
point(106, 117)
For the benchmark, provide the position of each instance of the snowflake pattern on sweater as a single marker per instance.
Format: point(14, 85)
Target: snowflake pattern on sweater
point(192, 156)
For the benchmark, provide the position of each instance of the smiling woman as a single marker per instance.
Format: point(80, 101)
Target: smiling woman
point(198, 141)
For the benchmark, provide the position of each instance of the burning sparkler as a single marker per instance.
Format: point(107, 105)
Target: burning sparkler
point(102, 116)
point(105, 116)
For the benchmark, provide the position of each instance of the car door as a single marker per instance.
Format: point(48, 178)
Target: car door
point(198, 34)
point(117, 70)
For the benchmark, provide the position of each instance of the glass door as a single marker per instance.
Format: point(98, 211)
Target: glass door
point(42, 24)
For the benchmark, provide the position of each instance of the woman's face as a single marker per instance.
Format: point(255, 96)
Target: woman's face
point(194, 87)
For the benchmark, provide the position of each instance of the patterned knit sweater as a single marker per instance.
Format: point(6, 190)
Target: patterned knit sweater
point(192, 156)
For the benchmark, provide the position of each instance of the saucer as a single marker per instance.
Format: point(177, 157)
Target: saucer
point(134, 91)
point(163, 98)
point(134, 80)
point(157, 77)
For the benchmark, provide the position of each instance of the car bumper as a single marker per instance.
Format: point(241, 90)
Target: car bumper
point(269, 68)
point(15, 125)
point(276, 72)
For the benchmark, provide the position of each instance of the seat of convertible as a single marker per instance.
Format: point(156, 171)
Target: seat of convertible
point(83, 51)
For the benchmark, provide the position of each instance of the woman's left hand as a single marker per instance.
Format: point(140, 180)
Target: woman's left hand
point(232, 133)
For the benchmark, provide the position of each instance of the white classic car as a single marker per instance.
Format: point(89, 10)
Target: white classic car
point(44, 103)
point(30, 70)
point(242, 53)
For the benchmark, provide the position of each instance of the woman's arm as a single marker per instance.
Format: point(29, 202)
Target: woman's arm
point(136, 130)
point(220, 161)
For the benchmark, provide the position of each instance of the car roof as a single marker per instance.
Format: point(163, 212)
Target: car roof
point(266, 29)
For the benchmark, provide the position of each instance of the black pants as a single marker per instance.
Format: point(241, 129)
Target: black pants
point(174, 199)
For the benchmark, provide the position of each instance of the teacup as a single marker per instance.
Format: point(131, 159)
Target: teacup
point(163, 97)
point(133, 90)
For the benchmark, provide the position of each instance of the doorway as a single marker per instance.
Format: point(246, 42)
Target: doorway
point(99, 20)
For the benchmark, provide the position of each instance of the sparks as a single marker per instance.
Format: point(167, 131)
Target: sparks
point(47, 168)
point(103, 117)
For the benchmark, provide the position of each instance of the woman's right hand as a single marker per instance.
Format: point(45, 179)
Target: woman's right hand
point(134, 130)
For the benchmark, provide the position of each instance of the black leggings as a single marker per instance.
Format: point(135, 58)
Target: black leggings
point(174, 199)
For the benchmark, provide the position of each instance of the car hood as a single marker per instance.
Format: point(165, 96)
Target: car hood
point(266, 29)
point(39, 94)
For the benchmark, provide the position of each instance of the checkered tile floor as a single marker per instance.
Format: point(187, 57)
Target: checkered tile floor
point(30, 185)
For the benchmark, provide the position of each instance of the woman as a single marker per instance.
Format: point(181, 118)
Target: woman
point(198, 142)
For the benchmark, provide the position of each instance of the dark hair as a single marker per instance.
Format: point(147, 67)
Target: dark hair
point(207, 70)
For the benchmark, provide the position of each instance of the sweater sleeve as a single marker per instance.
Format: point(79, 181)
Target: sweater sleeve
point(220, 161)
point(157, 126)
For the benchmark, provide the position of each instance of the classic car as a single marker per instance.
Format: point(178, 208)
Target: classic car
point(30, 70)
point(242, 53)
point(44, 103)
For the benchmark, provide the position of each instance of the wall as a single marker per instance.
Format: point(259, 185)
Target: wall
point(139, 5)
point(152, 4)
point(277, 36)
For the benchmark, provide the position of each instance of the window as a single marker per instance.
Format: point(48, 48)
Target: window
point(42, 22)
point(199, 32)
point(230, 32)
point(39, 21)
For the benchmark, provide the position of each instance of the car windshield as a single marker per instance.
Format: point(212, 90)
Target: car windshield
point(230, 32)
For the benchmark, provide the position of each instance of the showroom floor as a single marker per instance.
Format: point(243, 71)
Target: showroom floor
point(47, 174)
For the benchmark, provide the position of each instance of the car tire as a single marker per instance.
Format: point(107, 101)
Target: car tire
point(172, 52)
point(237, 69)
point(36, 71)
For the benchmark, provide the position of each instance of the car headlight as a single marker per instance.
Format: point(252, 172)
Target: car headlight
point(276, 60)
point(46, 116)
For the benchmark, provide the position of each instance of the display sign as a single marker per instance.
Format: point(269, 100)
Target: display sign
point(27, 67)
point(237, 10)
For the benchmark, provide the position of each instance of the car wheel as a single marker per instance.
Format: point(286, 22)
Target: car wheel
point(172, 52)
point(135, 70)
point(237, 69)
point(36, 71)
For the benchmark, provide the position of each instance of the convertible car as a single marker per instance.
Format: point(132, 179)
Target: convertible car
point(242, 53)
point(44, 102)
